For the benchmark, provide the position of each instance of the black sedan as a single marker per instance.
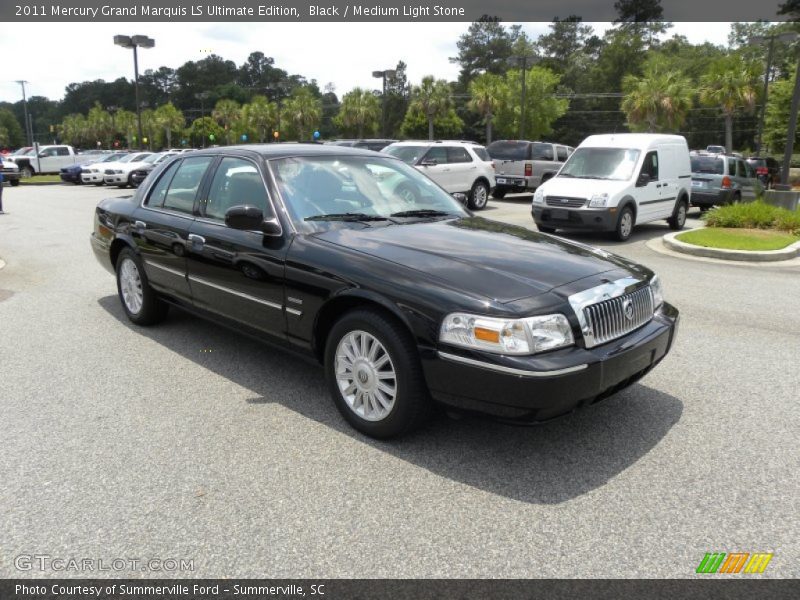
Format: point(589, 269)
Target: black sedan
point(407, 300)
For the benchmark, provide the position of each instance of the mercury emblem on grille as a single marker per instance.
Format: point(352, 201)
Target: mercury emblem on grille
point(627, 308)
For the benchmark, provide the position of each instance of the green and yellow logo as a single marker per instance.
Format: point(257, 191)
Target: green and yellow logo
point(734, 562)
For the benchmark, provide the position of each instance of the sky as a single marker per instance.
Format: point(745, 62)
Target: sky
point(344, 54)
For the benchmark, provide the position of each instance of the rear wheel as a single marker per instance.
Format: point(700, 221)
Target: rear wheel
point(678, 218)
point(139, 301)
point(625, 224)
point(478, 196)
point(374, 374)
point(544, 229)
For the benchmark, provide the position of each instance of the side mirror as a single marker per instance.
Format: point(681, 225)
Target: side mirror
point(428, 162)
point(271, 227)
point(43, 154)
point(244, 217)
point(460, 197)
point(643, 180)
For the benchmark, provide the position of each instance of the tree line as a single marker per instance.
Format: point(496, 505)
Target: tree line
point(635, 77)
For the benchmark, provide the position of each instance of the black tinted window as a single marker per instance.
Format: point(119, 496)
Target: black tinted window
point(437, 153)
point(650, 166)
point(456, 154)
point(542, 152)
point(561, 153)
point(713, 165)
point(507, 150)
point(482, 153)
point(184, 185)
point(236, 183)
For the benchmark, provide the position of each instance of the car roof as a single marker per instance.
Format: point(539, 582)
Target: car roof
point(289, 149)
point(631, 140)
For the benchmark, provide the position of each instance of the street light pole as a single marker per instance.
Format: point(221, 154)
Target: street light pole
point(383, 75)
point(790, 132)
point(135, 42)
point(523, 59)
point(28, 128)
point(758, 39)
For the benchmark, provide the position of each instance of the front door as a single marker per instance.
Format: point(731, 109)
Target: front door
point(649, 196)
point(235, 273)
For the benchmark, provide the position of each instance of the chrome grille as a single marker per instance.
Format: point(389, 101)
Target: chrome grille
point(565, 201)
point(618, 316)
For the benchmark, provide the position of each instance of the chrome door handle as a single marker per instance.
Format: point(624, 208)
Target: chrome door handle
point(140, 225)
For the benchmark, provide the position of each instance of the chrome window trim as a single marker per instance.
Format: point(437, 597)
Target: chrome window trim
point(222, 288)
point(601, 293)
point(510, 370)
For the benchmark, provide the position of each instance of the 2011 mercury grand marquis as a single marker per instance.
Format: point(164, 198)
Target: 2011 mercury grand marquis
point(401, 293)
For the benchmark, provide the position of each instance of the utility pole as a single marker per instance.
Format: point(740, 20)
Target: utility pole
point(522, 60)
point(383, 75)
point(28, 128)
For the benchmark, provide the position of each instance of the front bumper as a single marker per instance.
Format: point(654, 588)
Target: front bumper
point(539, 388)
point(116, 179)
point(603, 219)
point(70, 177)
point(11, 175)
point(91, 177)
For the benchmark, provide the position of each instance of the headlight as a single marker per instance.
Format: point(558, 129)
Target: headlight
point(538, 196)
point(658, 291)
point(507, 336)
point(598, 201)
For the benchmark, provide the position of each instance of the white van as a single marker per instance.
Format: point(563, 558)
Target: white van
point(612, 182)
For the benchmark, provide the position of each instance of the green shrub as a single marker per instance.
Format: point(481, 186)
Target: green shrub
point(754, 215)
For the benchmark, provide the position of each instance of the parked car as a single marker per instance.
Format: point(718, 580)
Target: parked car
point(612, 182)
point(49, 160)
point(522, 166)
point(768, 170)
point(10, 172)
point(401, 303)
point(72, 173)
point(719, 179)
point(140, 173)
point(119, 173)
point(370, 144)
point(457, 166)
point(96, 173)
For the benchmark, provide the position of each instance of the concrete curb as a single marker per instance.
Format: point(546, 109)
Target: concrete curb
point(787, 253)
point(40, 183)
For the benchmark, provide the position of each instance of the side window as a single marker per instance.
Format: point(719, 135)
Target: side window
point(741, 171)
point(437, 153)
point(62, 151)
point(236, 183)
point(542, 152)
point(561, 152)
point(650, 165)
point(748, 168)
point(184, 185)
point(456, 154)
point(481, 153)
point(48, 152)
point(159, 189)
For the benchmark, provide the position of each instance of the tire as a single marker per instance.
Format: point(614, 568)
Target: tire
point(26, 172)
point(98, 183)
point(678, 218)
point(13, 182)
point(737, 198)
point(625, 223)
point(543, 229)
point(478, 195)
point(499, 193)
point(139, 301)
point(353, 382)
point(130, 181)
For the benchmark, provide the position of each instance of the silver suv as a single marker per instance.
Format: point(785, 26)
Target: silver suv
point(722, 179)
point(457, 166)
point(522, 166)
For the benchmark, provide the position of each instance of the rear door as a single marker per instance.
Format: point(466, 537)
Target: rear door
point(746, 177)
point(543, 160)
point(161, 225)
point(234, 273)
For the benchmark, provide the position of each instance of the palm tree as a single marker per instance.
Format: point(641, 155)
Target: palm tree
point(169, 119)
point(657, 101)
point(360, 110)
point(432, 98)
point(304, 110)
point(260, 116)
point(487, 92)
point(74, 129)
point(730, 86)
point(99, 124)
point(227, 112)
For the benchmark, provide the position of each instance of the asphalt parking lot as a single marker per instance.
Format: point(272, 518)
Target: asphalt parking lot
point(188, 441)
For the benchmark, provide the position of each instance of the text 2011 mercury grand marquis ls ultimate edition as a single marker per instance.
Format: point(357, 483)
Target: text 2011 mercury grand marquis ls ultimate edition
point(403, 295)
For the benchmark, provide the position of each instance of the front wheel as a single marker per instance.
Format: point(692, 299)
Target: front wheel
point(14, 182)
point(624, 226)
point(478, 196)
point(678, 218)
point(26, 172)
point(374, 374)
point(139, 300)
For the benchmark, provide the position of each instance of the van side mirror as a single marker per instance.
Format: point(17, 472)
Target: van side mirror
point(643, 180)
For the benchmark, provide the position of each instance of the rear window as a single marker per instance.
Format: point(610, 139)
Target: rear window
point(481, 153)
point(714, 165)
point(508, 150)
point(757, 162)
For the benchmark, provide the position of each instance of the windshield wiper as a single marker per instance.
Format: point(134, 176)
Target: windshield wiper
point(423, 212)
point(348, 216)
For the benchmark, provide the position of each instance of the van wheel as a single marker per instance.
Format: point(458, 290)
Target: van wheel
point(624, 225)
point(678, 218)
point(478, 196)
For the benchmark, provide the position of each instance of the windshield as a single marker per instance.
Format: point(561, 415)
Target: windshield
point(355, 188)
point(708, 164)
point(601, 163)
point(134, 158)
point(408, 154)
point(22, 151)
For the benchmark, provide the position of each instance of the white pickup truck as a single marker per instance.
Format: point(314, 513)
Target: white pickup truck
point(51, 159)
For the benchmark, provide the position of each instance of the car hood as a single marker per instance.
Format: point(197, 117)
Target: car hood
point(495, 260)
point(582, 188)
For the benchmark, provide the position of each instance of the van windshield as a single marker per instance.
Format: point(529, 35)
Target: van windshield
point(601, 163)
